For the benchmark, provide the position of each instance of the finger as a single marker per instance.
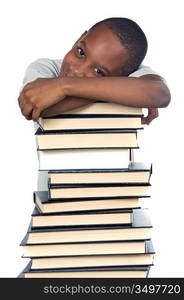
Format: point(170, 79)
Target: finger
point(152, 114)
point(153, 111)
point(27, 111)
point(36, 114)
point(144, 120)
point(21, 101)
point(148, 119)
point(23, 104)
point(29, 117)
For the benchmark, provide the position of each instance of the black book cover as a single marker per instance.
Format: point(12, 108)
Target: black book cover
point(123, 268)
point(132, 167)
point(36, 212)
point(93, 116)
point(45, 198)
point(94, 185)
point(141, 219)
point(62, 132)
point(39, 131)
point(148, 250)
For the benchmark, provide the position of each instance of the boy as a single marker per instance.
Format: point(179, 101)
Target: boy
point(104, 64)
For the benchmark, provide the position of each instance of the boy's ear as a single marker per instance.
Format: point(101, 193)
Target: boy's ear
point(82, 35)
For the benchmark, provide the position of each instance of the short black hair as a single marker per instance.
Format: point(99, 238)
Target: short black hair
point(131, 37)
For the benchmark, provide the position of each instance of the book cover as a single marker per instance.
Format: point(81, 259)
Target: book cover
point(75, 249)
point(46, 205)
point(135, 172)
point(95, 260)
point(140, 229)
point(93, 122)
point(87, 139)
point(98, 218)
point(100, 191)
point(111, 272)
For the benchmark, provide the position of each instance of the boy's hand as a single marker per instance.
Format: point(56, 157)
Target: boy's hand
point(152, 114)
point(39, 95)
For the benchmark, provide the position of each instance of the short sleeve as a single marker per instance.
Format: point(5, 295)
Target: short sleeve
point(42, 68)
point(143, 70)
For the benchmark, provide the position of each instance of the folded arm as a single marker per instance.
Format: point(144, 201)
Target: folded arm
point(47, 97)
point(159, 93)
point(67, 104)
point(146, 91)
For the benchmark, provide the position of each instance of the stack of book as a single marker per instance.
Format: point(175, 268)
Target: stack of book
point(88, 220)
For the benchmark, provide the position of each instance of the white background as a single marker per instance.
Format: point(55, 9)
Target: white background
point(35, 29)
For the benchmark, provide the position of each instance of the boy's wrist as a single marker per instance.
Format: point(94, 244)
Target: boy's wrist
point(74, 86)
point(66, 85)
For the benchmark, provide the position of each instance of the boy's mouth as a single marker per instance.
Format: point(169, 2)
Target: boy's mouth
point(63, 74)
point(65, 71)
point(66, 74)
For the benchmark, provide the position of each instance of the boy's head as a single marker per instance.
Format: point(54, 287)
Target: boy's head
point(112, 47)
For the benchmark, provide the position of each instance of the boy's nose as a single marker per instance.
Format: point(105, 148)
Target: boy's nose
point(81, 69)
point(79, 72)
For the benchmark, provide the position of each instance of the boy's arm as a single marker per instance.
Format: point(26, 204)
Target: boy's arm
point(48, 95)
point(67, 104)
point(70, 103)
point(47, 69)
point(145, 91)
point(148, 91)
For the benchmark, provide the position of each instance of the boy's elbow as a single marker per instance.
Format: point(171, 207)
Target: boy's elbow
point(159, 94)
point(164, 96)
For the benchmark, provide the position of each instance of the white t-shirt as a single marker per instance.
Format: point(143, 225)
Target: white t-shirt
point(50, 68)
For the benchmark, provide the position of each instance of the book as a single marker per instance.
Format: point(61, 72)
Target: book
point(87, 220)
point(83, 159)
point(135, 173)
point(85, 261)
point(81, 219)
point(101, 108)
point(99, 191)
point(108, 272)
point(75, 249)
point(86, 139)
point(74, 122)
point(140, 229)
point(46, 205)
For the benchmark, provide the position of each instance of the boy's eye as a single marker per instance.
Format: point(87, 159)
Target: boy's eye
point(99, 72)
point(80, 51)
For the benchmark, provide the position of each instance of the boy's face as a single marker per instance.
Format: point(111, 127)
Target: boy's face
point(97, 53)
